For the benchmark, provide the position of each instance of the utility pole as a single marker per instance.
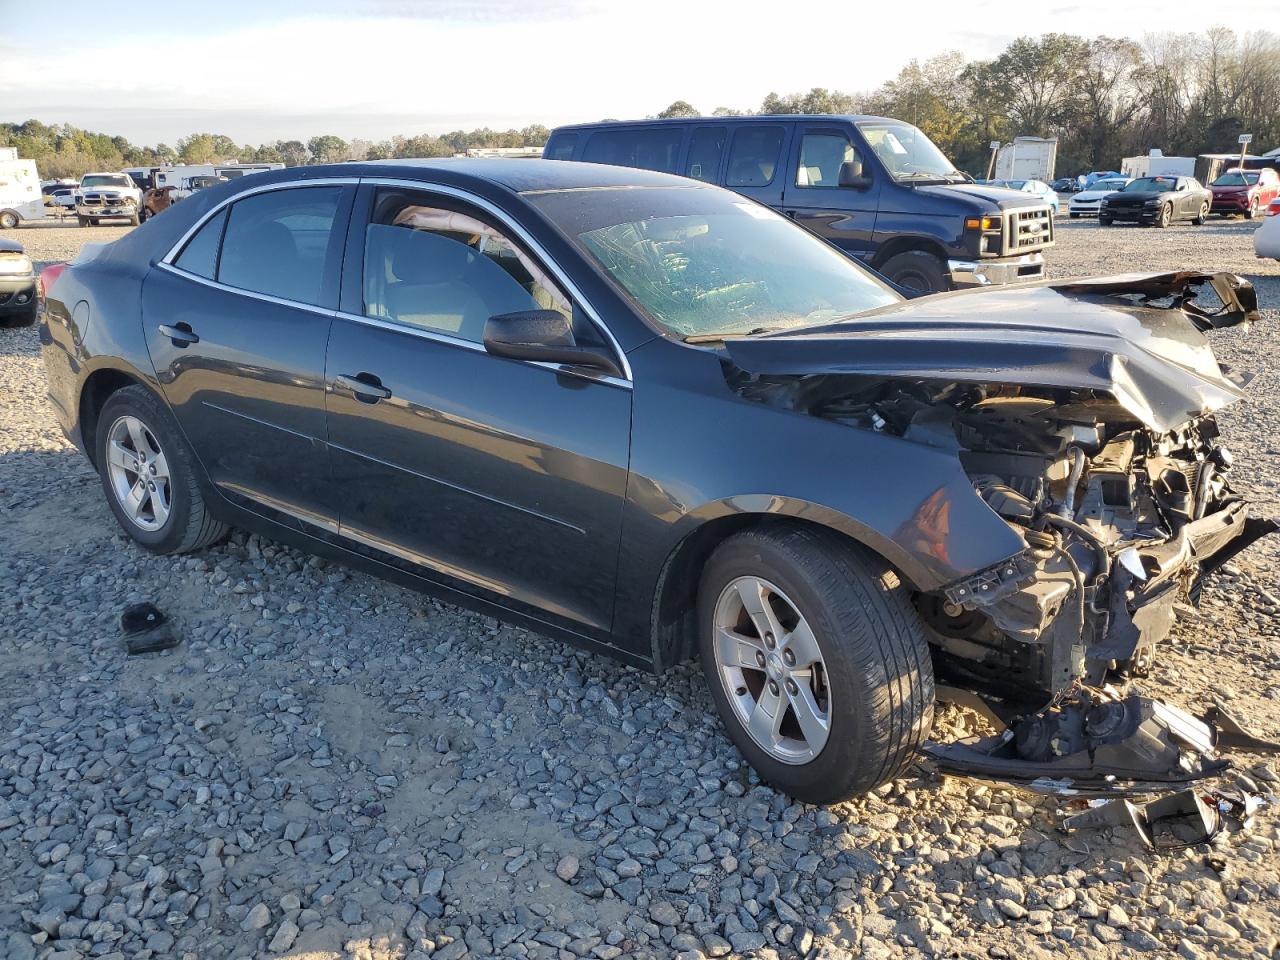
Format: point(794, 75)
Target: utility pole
point(991, 166)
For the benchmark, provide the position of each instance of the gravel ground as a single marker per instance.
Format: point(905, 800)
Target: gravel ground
point(331, 766)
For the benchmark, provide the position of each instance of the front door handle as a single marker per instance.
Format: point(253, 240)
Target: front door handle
point(366, 387)
point(180, 334)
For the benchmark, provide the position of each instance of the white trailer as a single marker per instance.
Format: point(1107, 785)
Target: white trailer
point(181, 177)
point(1027, 158)
point(1156, 164)
point(20, 196)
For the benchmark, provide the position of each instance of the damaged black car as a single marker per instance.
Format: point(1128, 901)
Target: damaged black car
point(658, 420)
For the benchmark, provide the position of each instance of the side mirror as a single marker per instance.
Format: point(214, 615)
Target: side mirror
point(543, 335)
point(851, 175)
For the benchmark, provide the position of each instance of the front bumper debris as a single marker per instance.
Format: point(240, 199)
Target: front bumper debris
point(1095, 742)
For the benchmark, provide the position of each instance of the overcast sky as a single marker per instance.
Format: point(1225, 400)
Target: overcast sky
point(280, 69)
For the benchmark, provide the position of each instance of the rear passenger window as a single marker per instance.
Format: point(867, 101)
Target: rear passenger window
point(276, 243)
point(200, 255)
point(560, 146)
point(650, 148)
point(753, 158)
point(705, 150)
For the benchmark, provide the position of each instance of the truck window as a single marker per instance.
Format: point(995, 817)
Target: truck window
point(705, 150)
point(560, 146)
point(753, 158)
point(655, 148)
point(821, 155)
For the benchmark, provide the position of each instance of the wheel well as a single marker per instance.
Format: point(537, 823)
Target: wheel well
point(902, 245)
point(93, 395)
point(674, 630)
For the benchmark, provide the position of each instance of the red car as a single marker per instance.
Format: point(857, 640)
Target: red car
point(1245, 191)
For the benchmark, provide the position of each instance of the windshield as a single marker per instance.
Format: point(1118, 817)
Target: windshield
point(106, 180)
point(907, 153)
point(707, 263)
point(1236, 179)
point(1150, 185)
point(1109, 185)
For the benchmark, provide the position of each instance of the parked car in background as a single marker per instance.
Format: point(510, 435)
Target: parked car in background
point(1086, 202)
point(157, 199)
point(1037, 188)
point(876, 188)
point(17, 285)
point(1157, 200)
point(1266, 239)
point(1091, 178)
point(1244, 191)
point(62, 197)
point(662, 422)
point(108, 196)
point(1065, 185)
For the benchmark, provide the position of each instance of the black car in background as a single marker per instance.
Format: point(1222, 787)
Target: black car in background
point(660, 421)
point(1158, 200)
point(875, 187)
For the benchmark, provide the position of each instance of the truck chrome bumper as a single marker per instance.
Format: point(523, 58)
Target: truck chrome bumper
point(987, 273)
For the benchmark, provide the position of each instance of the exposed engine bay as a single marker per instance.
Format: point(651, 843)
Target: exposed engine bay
point(1091, 435)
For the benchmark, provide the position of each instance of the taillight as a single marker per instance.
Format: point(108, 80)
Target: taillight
point(1273, 208)
point(48, 276)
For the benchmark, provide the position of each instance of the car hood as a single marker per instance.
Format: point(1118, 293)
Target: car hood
point(1093, 194)
point(1001, 197)
point(1233, 189)
point(1139, 196)
point(1138, 338)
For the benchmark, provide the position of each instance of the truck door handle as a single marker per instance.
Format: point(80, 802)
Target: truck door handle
point(366, 387)
point(180, 334)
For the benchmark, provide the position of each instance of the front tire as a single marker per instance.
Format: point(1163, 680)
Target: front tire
point(1252, 212)
point(149, 476)
point(1104, 221)
point(916, 270)
point(816, 659)
point(1166, 216)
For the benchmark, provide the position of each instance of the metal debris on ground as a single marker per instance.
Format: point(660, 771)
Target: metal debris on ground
point(1172, 822)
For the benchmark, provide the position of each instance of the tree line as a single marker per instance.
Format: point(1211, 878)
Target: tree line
point(1103, 98)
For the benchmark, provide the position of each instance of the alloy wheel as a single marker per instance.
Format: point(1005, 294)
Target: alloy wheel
point(772, 669)
point(1166, 215)
point(139, 473)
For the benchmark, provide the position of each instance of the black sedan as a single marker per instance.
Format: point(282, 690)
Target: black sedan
point(657, 419)
point(1157, 200)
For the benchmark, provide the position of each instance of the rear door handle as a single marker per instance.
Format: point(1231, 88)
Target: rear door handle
point(366, 387)
point(180, 334)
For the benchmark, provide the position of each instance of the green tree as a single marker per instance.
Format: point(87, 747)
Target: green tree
point(681, 108)
point(327, 149)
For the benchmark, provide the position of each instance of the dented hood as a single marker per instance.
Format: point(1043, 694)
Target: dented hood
point(1138, 338)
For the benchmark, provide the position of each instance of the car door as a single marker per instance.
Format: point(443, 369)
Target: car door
point(756, 161)
point(1188, 198)
point(501, 478)
point(237, 322)
point(846, 216)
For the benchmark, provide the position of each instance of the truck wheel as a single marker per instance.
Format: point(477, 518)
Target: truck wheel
point(916, 270)
point(8, 220)
point(135, 220)
point(816, 660)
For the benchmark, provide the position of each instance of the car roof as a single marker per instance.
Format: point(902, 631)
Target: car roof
point(755, 118)
point(523, 175)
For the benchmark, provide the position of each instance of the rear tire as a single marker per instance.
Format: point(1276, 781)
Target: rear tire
point(20, 319)
point(916, 270)
point(874, 657)
point(8, 220)
point(133, 420)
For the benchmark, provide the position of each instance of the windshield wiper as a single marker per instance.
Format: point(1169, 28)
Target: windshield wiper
point(717, 337)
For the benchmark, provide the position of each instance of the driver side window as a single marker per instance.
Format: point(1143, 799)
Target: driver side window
point(821, 155)
point(445, 269)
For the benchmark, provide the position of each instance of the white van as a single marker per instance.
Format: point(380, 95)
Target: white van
point(181, 178)
point(20, 196)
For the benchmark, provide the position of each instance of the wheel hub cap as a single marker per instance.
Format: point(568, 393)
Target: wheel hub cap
point(139, 473)
point(772, 670)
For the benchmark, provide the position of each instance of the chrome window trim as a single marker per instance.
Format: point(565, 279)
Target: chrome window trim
point(556, 271)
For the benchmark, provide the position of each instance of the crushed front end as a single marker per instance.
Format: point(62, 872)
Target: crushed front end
point(1082, 413)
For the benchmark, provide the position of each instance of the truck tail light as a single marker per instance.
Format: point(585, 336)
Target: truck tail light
point(48, 276)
